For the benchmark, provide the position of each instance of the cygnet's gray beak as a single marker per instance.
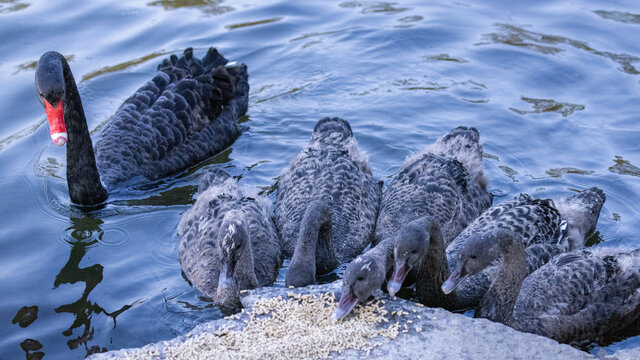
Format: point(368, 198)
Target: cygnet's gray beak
point(347, 302)
point(400, 271)
point(225, 279)
point(454, 279)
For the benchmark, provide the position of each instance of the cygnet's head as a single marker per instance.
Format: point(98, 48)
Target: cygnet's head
point(234, 241)
point(477, 253)
point(361, 278)
point(411, 246)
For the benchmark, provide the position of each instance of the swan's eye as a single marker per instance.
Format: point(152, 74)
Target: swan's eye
point(473, 256)
point(40, 99)
point(360, 278)
point(414, 251)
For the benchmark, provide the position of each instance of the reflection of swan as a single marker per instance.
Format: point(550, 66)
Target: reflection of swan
point(186, 113)
point(228, 241)
point(84, 235)
point(434, 196)
point(327, 203)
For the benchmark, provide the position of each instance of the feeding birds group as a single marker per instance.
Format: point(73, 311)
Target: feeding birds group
point(521, 262)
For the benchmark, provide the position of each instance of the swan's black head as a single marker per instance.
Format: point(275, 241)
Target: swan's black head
point(361, 278)
point(234, 242)
point(50, 90)
point(478, 252)
point(412, 245)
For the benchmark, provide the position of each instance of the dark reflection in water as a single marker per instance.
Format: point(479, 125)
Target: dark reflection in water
point(26, 316)
point(31, 348)
point(624, 167)
point(7, 6)
point(559, 172)
point(31, 65)
point(85, 232)
point(619, 16)
point(517, 36)
point(253, 23)
point(176, 196)
point(374, 7)
point(207, 6)
point(511, 173)
point(548, 105)
point(445, 57)
point(124, 65)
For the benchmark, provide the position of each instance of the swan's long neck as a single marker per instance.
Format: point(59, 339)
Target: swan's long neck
point(498, 302)
point(314, 253)
point(434, 270)
point(83, 178)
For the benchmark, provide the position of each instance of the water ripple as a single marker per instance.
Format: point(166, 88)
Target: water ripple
point(619, 16)
point(372, 7)
point(518, 36)
point(548, 105)
point(9, 6)
point(211, 7)
point(624, 167)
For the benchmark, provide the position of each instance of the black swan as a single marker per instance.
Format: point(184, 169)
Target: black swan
point(228, 241)
point(435, 195)
point(578, 297)
point(327, 203)
point(567, 222)
point(186, 113)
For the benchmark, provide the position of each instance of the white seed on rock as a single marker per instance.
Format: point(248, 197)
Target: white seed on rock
point(300, 327)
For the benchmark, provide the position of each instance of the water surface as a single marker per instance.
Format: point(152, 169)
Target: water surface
point(551, 85)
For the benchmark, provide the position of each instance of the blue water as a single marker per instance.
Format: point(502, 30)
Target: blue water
point(551, 85)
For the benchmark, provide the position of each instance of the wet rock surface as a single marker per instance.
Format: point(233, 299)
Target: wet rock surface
point(424, 333)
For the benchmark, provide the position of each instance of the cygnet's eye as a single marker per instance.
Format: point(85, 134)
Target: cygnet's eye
point(473, 256)
point(360, 278)
point(414, 251)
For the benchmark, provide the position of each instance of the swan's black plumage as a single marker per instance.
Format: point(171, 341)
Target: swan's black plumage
point(329, 187)
point(226, 223)
point(186, 113)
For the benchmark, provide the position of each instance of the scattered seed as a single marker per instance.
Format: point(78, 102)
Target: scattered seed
point(299, 326)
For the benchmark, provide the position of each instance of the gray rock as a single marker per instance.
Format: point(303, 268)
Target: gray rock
point(432, 333)
point(626, 354)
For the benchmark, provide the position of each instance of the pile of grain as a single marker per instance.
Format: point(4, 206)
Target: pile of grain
point(298, 327)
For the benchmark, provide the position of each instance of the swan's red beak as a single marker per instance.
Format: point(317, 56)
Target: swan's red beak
point(56, 123)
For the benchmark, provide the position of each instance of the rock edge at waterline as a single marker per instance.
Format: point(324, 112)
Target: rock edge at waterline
point(424, 333)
